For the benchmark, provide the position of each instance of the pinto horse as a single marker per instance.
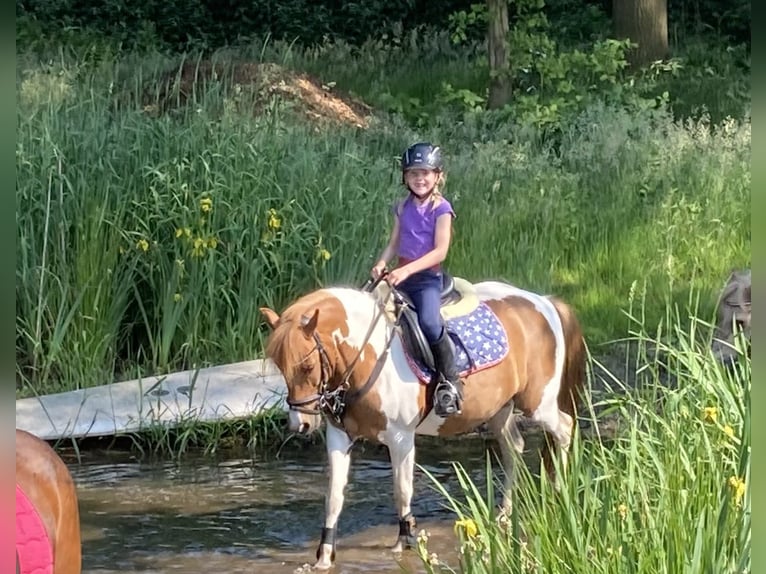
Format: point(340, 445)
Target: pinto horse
point(344, 356)
point(47, 514)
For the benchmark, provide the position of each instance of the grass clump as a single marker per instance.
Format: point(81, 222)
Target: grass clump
point(670, 492)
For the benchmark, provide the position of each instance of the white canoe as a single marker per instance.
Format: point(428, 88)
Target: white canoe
point(224, 392)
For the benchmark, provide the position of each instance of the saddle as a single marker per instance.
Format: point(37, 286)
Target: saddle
point(458, 298)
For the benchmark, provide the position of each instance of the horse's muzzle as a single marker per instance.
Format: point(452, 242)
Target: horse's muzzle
point(303, 423)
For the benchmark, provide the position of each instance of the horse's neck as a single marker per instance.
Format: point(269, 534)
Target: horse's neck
point(367, 321)
point(361, 307)
point(387, 376)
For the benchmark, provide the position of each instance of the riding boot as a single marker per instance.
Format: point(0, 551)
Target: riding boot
point(448, 396)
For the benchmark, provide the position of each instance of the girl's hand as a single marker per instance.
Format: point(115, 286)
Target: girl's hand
point(397, 276)
point(378, 270)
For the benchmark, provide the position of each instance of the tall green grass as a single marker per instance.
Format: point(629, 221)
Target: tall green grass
point(670, 493)
point(146, 243)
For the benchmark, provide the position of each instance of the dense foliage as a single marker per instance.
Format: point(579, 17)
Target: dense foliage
point(211, 23)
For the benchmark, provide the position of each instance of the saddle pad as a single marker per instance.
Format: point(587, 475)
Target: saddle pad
point(480, 343)
point(33, 547)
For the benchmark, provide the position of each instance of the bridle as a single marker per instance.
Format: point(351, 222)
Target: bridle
point(321, 396)
point(333, 402)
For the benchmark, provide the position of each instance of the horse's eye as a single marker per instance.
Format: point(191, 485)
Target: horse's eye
point(307, 367)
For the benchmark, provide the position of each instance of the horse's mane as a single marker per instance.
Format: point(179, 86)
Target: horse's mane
point(279, 344)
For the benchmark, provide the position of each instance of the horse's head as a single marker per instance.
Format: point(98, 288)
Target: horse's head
point(296, 349)
point(303, 345)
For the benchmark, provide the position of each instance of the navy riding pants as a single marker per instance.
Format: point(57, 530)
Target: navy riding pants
point(424, 288)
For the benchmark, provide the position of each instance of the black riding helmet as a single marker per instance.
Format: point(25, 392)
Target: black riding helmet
point(422, 155)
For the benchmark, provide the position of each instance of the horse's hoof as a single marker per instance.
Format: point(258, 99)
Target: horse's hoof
point(325, 557)
point(322, 565)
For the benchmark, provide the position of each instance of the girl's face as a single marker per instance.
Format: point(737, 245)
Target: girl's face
point(421, 181)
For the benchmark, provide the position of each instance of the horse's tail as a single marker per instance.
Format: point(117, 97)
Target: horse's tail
point(573, 376)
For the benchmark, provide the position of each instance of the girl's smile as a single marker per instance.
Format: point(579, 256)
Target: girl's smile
point(421, 181)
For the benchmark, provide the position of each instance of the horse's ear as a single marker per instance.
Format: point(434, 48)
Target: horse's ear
point(309, 325)
point(271, 317)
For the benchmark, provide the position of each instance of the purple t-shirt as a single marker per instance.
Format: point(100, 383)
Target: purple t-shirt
point(417, 226)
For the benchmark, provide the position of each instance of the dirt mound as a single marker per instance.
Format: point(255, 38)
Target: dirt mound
point(255, 86)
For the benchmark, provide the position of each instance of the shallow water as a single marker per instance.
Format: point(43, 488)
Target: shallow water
point(243, 514)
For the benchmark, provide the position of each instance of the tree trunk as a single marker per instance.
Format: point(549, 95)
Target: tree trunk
point(644, 22)
point(497, 46)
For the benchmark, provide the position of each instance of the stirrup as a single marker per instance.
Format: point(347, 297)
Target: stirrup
point(447, 399)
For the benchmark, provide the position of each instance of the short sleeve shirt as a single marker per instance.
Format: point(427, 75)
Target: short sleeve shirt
point(417, 226)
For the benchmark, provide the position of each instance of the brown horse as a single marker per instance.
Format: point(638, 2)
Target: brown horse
point(344, 357)
point(47, 514)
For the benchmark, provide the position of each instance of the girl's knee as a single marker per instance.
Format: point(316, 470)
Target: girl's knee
point(432, 330)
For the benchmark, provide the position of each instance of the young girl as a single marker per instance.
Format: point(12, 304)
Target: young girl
point(420, 239)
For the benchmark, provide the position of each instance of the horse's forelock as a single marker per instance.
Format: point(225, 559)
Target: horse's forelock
point(280, 347)
point(288, 345)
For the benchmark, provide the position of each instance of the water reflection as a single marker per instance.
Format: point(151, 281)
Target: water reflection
point(246, 514)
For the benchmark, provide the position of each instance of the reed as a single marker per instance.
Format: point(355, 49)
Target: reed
point(670, 492)
point(147, 241)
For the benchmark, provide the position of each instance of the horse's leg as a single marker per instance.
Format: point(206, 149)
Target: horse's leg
point(339, 457)
point(559, 432)
point(509, 438)
point(402, 452)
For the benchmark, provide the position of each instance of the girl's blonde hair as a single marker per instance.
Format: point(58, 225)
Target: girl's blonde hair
point(438, 186)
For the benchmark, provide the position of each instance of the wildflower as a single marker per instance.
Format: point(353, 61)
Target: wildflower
point(728, 431)
point(199, 247)
point(183, 231)
point(181, 263)
point(212, 242)
point(324, 254)
point(274, 221)
point(711, 414)
point(739, 489)
point(423, 536)
point(177, 297)
point(433, 559)
point(143, 245)
point(622, 510)
point(206, 204)
point(468, 526)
